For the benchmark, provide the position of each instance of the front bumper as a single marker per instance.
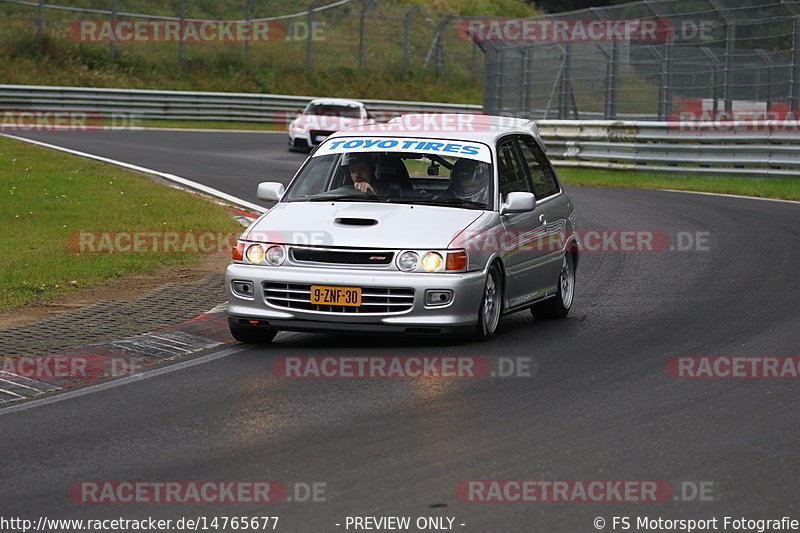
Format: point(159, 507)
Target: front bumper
point(298, 141)
point(308, 139)
point(457, 317)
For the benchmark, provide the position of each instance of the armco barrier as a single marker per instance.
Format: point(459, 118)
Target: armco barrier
point(188, 105)
point(768, 148)
point(739, 148)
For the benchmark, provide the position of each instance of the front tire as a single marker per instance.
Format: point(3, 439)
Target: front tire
point(253, 335)
point(559, 306)
point(491, 304)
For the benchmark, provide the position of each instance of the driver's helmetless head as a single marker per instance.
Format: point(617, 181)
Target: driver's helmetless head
point(360, 167)
point(360, 170)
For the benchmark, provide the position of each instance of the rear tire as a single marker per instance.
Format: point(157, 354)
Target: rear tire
point(491, 304)
point(253, 335)
point(559, 305)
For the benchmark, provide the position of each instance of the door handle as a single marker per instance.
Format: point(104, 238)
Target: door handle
point(543, 220)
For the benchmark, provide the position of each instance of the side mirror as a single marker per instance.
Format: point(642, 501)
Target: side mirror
point(518, 202)
point(271, 191)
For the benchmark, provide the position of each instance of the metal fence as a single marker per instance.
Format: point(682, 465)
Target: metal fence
point(312, 35)
point(716, 58)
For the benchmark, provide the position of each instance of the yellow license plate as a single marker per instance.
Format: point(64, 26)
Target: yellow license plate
point(325, 295)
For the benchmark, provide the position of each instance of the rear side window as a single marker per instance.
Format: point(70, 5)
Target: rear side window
point(511, 175)
point(540, 172)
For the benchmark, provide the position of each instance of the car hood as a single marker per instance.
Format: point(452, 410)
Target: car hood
point(362, 225)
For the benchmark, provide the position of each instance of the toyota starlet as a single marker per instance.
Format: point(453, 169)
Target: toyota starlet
point(425, 225)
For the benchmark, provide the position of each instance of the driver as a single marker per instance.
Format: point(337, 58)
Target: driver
point(378, 175)
point(362, 171)
point(469, 180)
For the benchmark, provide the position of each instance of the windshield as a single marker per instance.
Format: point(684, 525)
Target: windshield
point(329, 110)
point(397, 177)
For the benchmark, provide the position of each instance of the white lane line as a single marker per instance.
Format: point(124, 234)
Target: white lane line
point(135, 378)
point(9, 382)
point(11, 393)
point(734, 196)
point(170, 177)
point(40, 386)
point(171, 342)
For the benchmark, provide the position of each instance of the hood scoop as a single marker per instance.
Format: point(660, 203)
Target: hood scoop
point(354, 221)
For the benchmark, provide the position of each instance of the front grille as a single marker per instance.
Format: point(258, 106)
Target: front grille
point(383, 300)
point(340, 257)
point(312, 135)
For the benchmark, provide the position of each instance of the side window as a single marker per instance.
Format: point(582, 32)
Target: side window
point(542, 179)
point(317, 176)
point(511, 175)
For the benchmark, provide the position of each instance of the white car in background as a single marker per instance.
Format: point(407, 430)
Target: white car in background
point(322, 117)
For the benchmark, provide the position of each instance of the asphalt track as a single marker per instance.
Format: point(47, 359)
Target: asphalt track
point(599, 405)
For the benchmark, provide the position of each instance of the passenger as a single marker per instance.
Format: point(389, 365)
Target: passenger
point(469, 181)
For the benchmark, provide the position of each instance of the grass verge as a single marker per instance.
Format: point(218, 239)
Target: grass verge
point(48, 197)
point(783, 188)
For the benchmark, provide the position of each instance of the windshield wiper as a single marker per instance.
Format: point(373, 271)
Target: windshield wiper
point(359, 197)
point(447, 201)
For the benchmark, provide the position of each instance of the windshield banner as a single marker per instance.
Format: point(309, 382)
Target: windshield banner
point(442, 147)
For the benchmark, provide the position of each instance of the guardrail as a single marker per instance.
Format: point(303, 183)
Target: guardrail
point(739, 148)
point(747, 148)
point(145, 104)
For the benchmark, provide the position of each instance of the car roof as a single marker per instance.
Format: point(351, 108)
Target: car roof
point(457, 126)
point(337, 101)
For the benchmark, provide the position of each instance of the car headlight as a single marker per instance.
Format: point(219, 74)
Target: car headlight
point(275, 255)
point(255, 253)
point(408, 261)
point(431, 262)
point(297, 129)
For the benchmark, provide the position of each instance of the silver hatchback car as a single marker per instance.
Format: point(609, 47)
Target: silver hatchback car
point(425, 225)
